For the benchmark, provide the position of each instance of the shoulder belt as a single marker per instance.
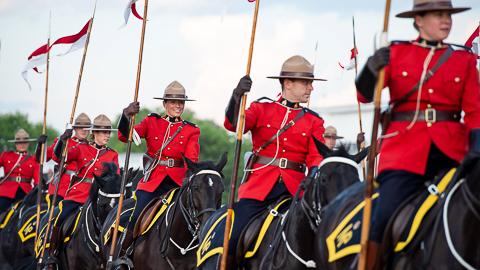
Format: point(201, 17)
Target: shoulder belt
point(90, 162)
point(14, 168)
point(190, 123)
point(445, 56)
point(312, 112)
point(300, 115)
point(264, 99)
point(171, 138)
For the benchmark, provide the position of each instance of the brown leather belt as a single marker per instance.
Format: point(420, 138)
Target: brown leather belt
point(429, 115)
point(69, 172)
point(86, 180)
point(282, 163)
point(17, 179)
point(170, 163)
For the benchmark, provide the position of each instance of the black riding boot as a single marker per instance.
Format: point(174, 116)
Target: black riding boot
point(52, 265)
point(123, 260)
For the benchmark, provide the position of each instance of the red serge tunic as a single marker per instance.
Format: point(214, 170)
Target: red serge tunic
point(154, 128)
point(28, 170)
point(264, 120)
point(71, 166)
point(454, 87)
point(82, 154)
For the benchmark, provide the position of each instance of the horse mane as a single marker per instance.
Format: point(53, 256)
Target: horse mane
point(109, 171)
point(207, 165)
point(342, 151)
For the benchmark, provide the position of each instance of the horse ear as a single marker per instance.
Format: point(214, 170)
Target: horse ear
point(192, 166)
point(99, 180)
point(223, 161)
point(322, 149)
point(361, 155)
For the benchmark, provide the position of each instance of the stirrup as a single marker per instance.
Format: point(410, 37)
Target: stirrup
point(124, 260)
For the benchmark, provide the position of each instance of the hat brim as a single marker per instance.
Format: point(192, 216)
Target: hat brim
point(81, 126)
point(23, 140)
point(293, 77)
point(185, 99)
point(412, 13)
point(100, 129)
point(332, 136)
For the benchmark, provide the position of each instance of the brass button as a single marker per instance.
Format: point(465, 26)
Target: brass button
point(304, 134)
point(404, 73)
point(156, 138)
point(74, 188)
point(9, 161)
point(457, 79)
point(181, 142)
point(284, 139)
point(30, 166)
point(430, 91)
point(166, 157)
point(289, 111)
point(171, 125)
point(98, 159)
point(168, 148)
point(95, 169)
point(20, 169)
point(181, 137)
point(283, 150)
point(84, 159)
point(429, 124)
point(267, 126)
point(429, 106)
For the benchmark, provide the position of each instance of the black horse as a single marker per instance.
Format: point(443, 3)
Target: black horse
point(173, 239)
point(449, 241)
point(11, 244)
point(82, 249)
point(297, 228)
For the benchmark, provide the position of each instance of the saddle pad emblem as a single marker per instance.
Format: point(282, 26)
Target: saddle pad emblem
point(28, 229)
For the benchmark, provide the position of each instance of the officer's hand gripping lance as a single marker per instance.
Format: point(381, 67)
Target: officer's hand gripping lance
point(65, 146)
point(129, 145)
point(238, 148)
point(362, 263)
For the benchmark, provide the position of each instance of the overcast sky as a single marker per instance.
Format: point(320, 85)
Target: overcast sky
point(185, 41)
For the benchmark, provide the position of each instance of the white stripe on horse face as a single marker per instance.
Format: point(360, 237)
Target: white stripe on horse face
point(112, 202)
point(210, 182)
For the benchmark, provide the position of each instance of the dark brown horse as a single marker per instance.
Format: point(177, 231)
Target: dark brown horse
point(173, 240)
point(12, 249)
point(82, 250)
point(288, 242)
point(449, 241)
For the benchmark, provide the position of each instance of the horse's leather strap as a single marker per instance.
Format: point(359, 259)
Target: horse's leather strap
point(282, 163)
point(170, 163)
point(429, 115)
point(17, 179)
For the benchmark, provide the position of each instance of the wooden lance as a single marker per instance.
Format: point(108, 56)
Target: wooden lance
point(65, 146)
point(362, 146)
point(238, 148)
point(367, 210)
point(129, 143)
point(42, 153)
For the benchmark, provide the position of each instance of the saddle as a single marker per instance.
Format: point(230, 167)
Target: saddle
point(146, 216)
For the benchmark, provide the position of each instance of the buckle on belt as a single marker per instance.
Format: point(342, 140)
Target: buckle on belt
point(170, 162)
point(430, 115)
point(18, 179)
point(283, 163)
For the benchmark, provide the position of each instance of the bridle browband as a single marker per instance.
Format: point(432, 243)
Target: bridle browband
point(338, 160)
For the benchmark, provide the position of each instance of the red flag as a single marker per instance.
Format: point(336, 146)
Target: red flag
point(251, 1)
point(473, 42)
point(39, 56)
point(350, 65)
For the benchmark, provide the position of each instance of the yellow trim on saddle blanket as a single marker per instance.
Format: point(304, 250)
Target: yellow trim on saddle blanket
point(106, 237)
point(28, 229)
point(74, 228)
point(160, 212)
point(207, 241)
point(343, 235)
point(429, 202)
point(9, 215)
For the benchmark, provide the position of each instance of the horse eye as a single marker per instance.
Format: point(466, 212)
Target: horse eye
point(195, 188)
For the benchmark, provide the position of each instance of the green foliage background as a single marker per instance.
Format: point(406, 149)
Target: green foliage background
point(214, 139)
point(11, 123)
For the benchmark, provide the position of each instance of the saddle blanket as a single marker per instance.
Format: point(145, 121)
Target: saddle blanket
point(41, 238)
point(28, 229)
point(345, 239)
point(213, 241)
point(9, 214)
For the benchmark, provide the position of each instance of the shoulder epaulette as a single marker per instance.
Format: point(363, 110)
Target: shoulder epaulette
point(312, 112)
point(154, 115)
point(109, 148)
point(263, 99)
point(396, 42)
point(190, 123)
point(457, 47)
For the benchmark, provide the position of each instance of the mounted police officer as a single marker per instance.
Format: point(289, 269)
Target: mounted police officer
point(81, 136)
point(331, 137)
point(89, 157)
point(425, 135)
point(167, 138)
point(281, 165)
point(21, 171)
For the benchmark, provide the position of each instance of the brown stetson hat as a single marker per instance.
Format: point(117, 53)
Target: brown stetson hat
point(430, 5)
point(175, 91)
point(82, 121)
point(22, 136)
point(296, 67)
point(101, 123)
point(331, 132)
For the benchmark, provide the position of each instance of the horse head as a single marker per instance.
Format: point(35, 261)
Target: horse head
point(105, 190)
point(204, 189)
